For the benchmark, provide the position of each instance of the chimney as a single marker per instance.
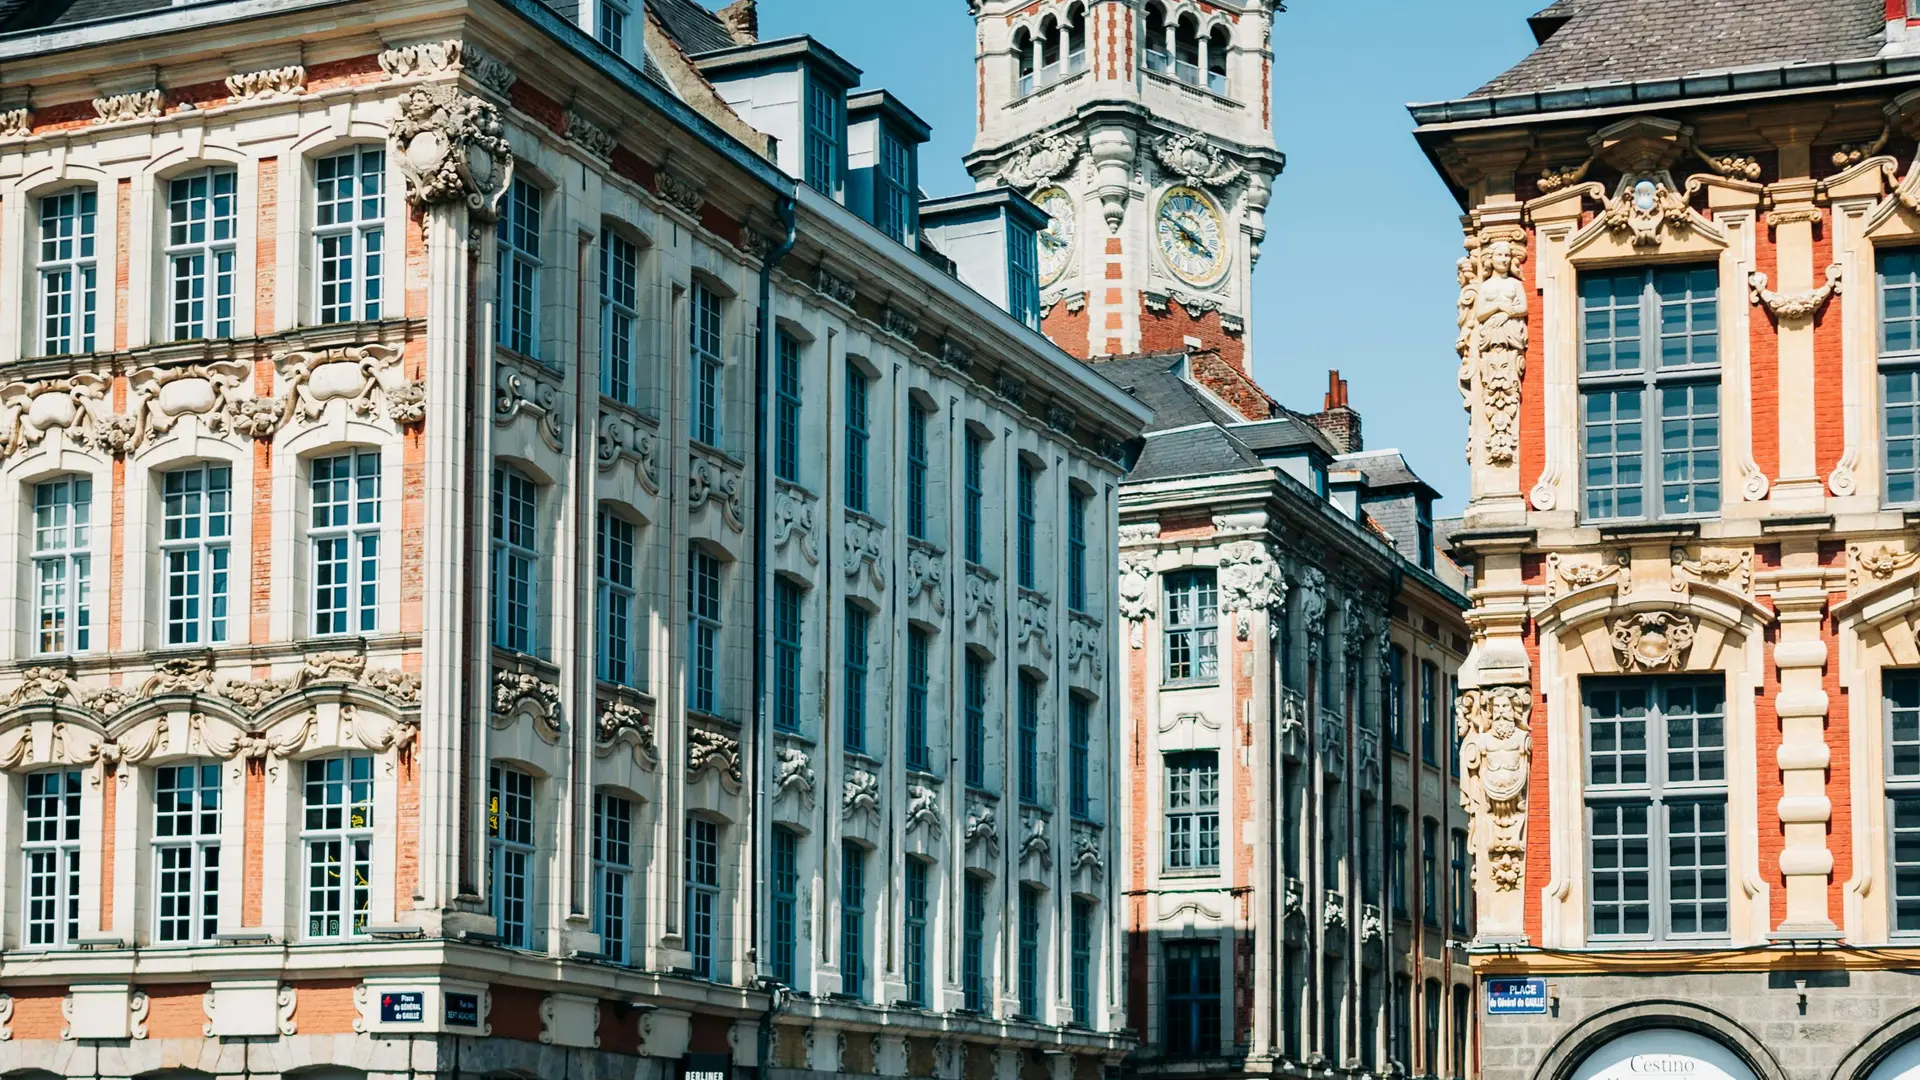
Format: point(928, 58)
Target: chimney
point(742, 20)
point(1337, 420)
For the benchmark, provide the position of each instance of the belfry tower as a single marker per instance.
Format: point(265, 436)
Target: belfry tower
point(1143, 128)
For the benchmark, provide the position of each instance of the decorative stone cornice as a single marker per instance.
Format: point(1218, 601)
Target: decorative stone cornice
point(267, 83)
point(926, 577)
point(710, 480)
point(520, 391)
point(863, 542)
point(423, 58)
point(983, 592)
point(923, 809)
point(592, 138)
point(681, 192)
point(16, 123)
point(982, 828)
point(620, 437)
point(138, 105)
point(624, 721)
point(860, 796)
point(518, 692)
point(793, 775)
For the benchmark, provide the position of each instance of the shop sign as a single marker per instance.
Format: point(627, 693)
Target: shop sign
point(706, 1067)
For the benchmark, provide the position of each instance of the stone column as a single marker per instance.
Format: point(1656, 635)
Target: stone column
point(1800, 653)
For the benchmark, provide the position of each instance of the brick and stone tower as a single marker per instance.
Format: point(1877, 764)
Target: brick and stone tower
point(1143, 127)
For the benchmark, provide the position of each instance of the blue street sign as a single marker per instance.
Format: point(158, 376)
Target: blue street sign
point(1516, 997)
point(402, 1007)
point(463, 1009)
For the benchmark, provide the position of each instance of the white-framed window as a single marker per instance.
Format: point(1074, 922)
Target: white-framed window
point(1193, 810)
point(186, 852)
point(202, 224)
point(510, 854)
point(1192, 636)
point(349, 239)
point(616, 601)
point(707, 365)
point(50, 918)
point(518, 312)
point(703, 892)
point(619, 315)
point(68, 271)
point(612, 872)
point(344, 532)
point(612, 27)
point(703, 614)
point(196, 547)
point(336, 832)
point(63, 565)
point(516, 555)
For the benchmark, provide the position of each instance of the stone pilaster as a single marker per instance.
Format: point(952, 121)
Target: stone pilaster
point(1800, 654)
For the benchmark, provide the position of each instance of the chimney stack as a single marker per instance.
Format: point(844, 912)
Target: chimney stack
point(1337, 420)
point(742, 20)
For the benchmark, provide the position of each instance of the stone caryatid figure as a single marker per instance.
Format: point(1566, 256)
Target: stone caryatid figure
point(1493, 343)
point(1496, 752)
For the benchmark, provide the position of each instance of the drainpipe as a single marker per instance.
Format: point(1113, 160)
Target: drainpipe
point(762, 500)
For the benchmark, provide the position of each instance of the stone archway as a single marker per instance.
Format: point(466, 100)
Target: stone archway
point(1659, 1039)
point(1665, 1053)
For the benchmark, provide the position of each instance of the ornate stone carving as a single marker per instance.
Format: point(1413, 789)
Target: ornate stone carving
point(161, 396)
point(833, 286)
point(1136, 605)
point(793, 520)
point(1332, 740)
point(1734, 569)
point(179, 675)
point(592, 138)
point(108, 699)
point(899, 323)
point(620, 437)
point(15, 123)
point(425, 58)
point(1794, 307)
point(1652, 641)
point(793, 775)
point(862, 543)
point(1645, 207)
point(983, 591)
point(451, 146)
point(488, 70)
point(1040, 161)
point(379, 733)
point(363, 376)
point(1036, 623)
point(926, 576)
point(623, 721)
point(1496, 751)
point(1250, 581)
point(1333, 914)
point(1732, 166)
point(1851, 154)
point(42, 684)
point(139, 105)
point(1034, 843)
point(682, 192)
point(252, 695)
point(401, 686)
point(1879, 564)
point(1312, 584)
point(1086, 854)
point(709, 480)
point(30, 411)
point(1195, 161)
point(1553, 179)
point(1583, 575)
point(1493, 344)
point(956, 354)
point(1011, 389)
point(861, 795)
point(267, 83)
point(78, 746)
point(923, 808)
point(226, 741)
point(708, 749)
point(520, 691)
point(1370, 927)
point(982, 828)
point(1086, 643)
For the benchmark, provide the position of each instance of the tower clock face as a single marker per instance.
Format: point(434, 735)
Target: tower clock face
point(1192, 237)
point(1056, 243)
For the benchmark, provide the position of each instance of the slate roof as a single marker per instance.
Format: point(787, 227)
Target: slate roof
point(696, 28)
point(1154, 381)
point(1288, 431)
point(1384, 468)
point(1196, 451)
point(1629, 40)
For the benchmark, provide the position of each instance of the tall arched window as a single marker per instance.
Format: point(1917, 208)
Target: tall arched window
point(349, 218)
point(1159, 44)
point(1186, 49)
point(1023, 52)
point(66, 262)
point(1076, 39)
point(202, 224)
point(1049, 51)
point(1218, 43)
point(63, 565)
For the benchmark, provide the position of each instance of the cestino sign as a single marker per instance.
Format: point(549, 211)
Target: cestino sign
point(1665, 1054)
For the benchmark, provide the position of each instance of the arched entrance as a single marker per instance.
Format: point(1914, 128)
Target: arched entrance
point(1664, 1054)
point(1902, 1064)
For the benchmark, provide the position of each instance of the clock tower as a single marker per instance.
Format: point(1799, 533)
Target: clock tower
point(1143, 128)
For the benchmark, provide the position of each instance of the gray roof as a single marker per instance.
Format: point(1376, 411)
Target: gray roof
point(38, 14)
point(1197, 451)
point(1156, 383)
point(1627, 40)
point(1384, 468)
point(1287, 431)
point(696, 28)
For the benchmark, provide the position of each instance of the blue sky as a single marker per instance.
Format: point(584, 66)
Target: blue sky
point(1357, 269)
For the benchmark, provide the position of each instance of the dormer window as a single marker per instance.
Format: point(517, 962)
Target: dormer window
point(1423, 527)
point(1023, 279)
point(893, 197)
point(826, 121)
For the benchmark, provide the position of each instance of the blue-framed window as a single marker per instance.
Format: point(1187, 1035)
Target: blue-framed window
point(857, 438)
point(707, 365)
point(1650, 393)
point(787, 601)
point(617, 603)
point(893, 203)
point(1030, 952)
point(1081, 992)
point(853, 919)
point(786, 408)
point(1193, 998)
point(826, 128)
point(1079, 754)
point(786, 902)
point(853, 710)
point(703, 617)
point(916, 905)
point(1023, 275)
point(976, 720)
point(917, 421)
point(612, 873)
point(973, 934)
point(703, 893)
point(1193, 810)
point(1027, 498)
point(1029, 739)
point(619, 315)
point(68, 271)
point(1900, 371)
point(516, 558)
point(1429, 712)
point(1901, 691)
point(1076, 550)
point(976, 497)
point(518, 315)
point(919, 660)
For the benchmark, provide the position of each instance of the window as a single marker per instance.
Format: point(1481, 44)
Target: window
point(63, 565)
point(1402, 1032)
point(1027, 499)
point(917, 471)
point(1429, 715)
point(1657, 808)
point(1397, 873)
point(1023, 48)
point(615, 600)
point(69, 292)
point(510, 854)
point(786, 415)
point(919, 657)
point(1453, 742)
point(186, 852)
point(786, 902)
point(1186, 49)
point(1293, 815)
point(51, 854)
point(825, 107)
point(1076, 30)
point(1368, 845)
point(1193, 810)
point(1023, 275)
point(1462, 1014)
point(344, 532)
point(1218, 43)
point(976, 497)
point(197, 513)
point(349, 217)
point(976, 721)
point(853, 920)
point(893, 202)
point(1423, 530)
point(786, 655)
point(1460, 873)
point(518, 316)
point(612, 29)
point(703, 892)
point(1193, 610)
point(856, 469)
point(853, 704)
point(612, 872)
point(1158, 43)
point(705, 349)
point(1394, 700)
point(916, 903)
point(1902, 693)
point(1900, 370)
point(703, 615)
point(1030, 952)
point(1082, 988)
point(1332, 1000)
point(1029, 739)
point(619, 312)
point(973, 980)
point(1430, 871)
point(1076, 550)
point(1079, 755)
point(1651, 353)
point(1430, 1042)
point(516, 554)
point(200, 253)
point(1193, 999)
point(1293, 996)
point(337, 833)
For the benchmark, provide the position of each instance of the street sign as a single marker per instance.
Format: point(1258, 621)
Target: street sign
point(463, 1009)
point(402, 1007)
point(1516, 997)
point(706, 1067)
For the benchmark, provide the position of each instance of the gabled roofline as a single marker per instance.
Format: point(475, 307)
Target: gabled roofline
point(891, 108)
